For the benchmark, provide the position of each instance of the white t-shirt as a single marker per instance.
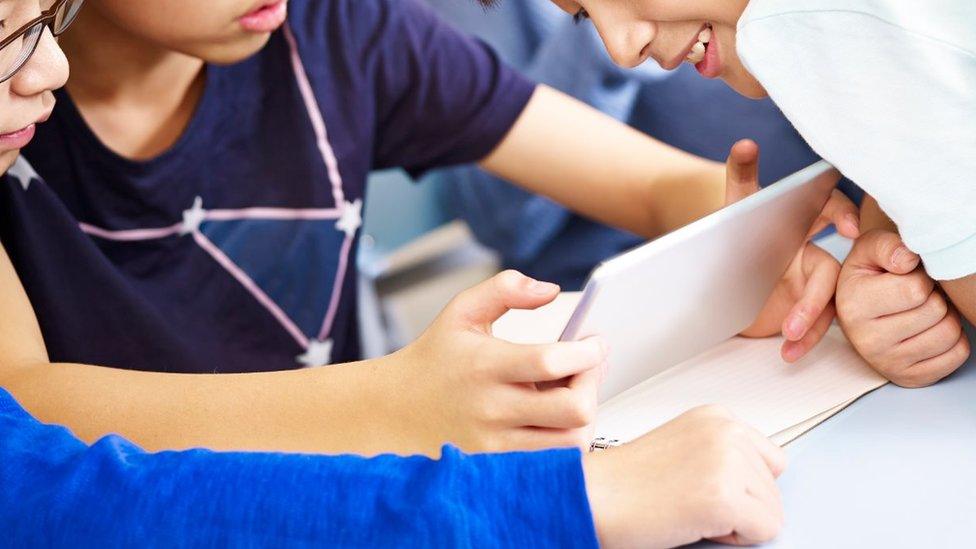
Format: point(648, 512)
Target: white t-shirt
point(886, 91)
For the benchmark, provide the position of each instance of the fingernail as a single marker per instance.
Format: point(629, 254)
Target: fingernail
point(542, 288)
point(901, 256)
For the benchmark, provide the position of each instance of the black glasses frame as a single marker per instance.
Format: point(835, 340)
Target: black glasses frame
point(46, 19)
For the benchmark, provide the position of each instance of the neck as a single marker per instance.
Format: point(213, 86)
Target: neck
point(137, 96)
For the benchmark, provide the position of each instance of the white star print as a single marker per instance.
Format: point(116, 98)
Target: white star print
point(319, 353)
point(352, 217)
point(23, 172)
point(193, 217)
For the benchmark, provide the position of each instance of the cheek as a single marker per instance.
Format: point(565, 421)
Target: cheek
point(205, 30)
point(168, 22)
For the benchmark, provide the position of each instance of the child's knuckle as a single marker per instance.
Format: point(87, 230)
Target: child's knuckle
point(915, 290)
point(713, 410)
point(507, 279)
point(579, 411)
point(960, 353)
point(948, 329)
point(937, 306)
point(547, 361)
point(868, 342)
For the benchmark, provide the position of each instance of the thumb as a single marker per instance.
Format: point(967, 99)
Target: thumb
point(741, 171)
point(883, 251)
point(485, 303)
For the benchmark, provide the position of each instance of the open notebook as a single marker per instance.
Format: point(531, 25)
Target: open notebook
point(781, 400)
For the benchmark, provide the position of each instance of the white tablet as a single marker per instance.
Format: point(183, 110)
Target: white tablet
point(685, 292)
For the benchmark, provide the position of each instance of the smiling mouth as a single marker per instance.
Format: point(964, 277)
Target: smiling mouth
point(676, 61)
point(697, 53)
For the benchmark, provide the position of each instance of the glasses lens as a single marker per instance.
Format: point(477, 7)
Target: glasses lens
point(66, 15)
point(16, 54)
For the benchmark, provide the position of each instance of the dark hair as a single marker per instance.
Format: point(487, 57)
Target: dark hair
point(488, 3)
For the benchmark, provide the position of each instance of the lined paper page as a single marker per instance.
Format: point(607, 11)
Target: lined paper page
point(749, 377)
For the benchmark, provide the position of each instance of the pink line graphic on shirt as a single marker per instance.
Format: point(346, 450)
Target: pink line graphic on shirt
point(348, 216)
point(251, 286)
point(332, 164)
point(274, 214)
point(132, 235)
point(315, 117)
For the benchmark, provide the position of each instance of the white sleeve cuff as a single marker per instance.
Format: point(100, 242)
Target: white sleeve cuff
point(956, 261)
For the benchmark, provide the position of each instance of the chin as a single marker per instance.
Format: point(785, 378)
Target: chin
point(232, 51)
point(7, 159)
point(748, 87)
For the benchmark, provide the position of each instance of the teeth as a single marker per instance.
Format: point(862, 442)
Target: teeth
point(698, 50)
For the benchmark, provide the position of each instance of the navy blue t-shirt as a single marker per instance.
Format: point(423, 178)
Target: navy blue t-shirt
point(234, 250)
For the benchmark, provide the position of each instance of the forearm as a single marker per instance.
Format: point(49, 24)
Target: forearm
point(342, 408)
point(605, 170)
point(338, 410)
point(962, 292)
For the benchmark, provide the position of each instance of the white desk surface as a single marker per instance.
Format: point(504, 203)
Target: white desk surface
point(897, 469)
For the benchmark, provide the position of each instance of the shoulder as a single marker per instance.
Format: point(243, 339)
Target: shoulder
point(947, 23)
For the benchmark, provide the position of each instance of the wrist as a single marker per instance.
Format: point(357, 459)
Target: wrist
point(688, 195)
point(399, 399)
point(598, 494)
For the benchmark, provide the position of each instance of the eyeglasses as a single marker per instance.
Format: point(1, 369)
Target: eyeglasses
point(17, 49)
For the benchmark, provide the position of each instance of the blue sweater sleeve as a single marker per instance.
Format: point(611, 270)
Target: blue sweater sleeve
point(57, 491)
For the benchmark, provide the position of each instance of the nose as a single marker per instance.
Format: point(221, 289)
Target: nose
point(627, 41)
point(46, 70)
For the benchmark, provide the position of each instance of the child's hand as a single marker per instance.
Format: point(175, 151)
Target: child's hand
point(704, 475)
point(463, 386)
point(896, 316)
point(801, 307)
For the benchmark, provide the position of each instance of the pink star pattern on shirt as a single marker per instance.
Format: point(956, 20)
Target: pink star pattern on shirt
point(348, 217)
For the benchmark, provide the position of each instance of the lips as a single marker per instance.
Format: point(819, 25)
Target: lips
point(711, 65)
point(17, 139)
point(266, 17)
